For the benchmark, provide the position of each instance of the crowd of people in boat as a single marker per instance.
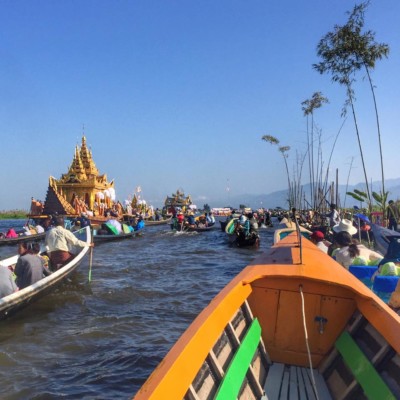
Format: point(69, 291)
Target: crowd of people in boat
point(346, 241)
point(27, 230)
point(32, 265)
point(185, 220)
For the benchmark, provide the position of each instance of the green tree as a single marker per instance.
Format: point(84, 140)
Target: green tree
point(308, 107)
point(283, 150)
point(344, 51)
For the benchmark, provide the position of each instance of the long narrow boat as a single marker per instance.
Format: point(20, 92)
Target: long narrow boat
point(239, 241)
point(382, 237)
point(292, 325)
point(22, 238)
point(150, 222)
point(185, 228)
point(12, 303)
point(113, 238)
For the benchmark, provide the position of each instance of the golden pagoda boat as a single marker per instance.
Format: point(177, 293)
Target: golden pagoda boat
point(177, 200)
point(81, 190)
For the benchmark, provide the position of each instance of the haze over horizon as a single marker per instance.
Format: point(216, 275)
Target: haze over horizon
point(177, 95)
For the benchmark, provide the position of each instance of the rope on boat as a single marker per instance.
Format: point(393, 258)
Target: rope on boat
point(298, 234)
point(308, 347)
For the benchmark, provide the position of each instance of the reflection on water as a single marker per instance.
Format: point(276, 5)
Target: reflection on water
point(103, 339)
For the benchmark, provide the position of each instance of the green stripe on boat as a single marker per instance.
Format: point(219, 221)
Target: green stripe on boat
point(363, 371)
point(233, 379)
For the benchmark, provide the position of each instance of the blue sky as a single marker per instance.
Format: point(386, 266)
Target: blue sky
point(177, 94)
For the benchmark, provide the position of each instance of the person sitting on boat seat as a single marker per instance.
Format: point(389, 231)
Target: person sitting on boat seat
point(7, 283)
point(345, 225)
point(11, 234)
point(230, 216)
point(253, 224)
point(140, 224)
point(317, 238)
point(210, 219)
point(29, 267)
point(83, 220)
point(191, 222)
point(2, 235)
point(349, 249)
point(180, 217)
point(44, 259)
point(27, 230)
point(242, 227)
point(58, 240)
point(39, 228)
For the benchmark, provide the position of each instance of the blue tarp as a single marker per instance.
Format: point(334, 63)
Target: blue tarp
point(385, 283)
point(362, 217)
point(363, 271)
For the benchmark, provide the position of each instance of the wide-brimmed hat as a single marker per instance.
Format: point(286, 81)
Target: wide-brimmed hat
point(345, 225)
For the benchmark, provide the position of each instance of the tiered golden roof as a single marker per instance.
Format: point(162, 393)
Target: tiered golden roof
point(81, 188)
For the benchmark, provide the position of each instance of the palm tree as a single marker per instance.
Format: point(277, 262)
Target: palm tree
point(283, 150)
point(344, 51)
point(308, 107)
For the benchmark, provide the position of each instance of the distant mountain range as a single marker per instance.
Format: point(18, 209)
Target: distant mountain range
point(279, 198)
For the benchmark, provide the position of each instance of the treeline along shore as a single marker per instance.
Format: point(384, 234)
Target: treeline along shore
point(13, 214)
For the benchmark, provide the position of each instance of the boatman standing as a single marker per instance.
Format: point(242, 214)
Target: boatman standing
point(392, 215)
point(58, 241)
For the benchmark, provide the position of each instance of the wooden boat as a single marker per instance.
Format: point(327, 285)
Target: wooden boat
point(294, 324)
point(223, 225)
point(382, 237)
point(238, 240)
point(186, 228)
point(250, 241)
point(150, 222)
point(22, 238)
point(12, 303)
point(286, 227)
point(113, 238)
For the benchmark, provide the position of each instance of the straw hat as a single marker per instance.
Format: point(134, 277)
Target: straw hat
point(345, 225)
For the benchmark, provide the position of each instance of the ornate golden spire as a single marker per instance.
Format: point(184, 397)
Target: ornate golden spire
point(76, 171)
point(87, 160)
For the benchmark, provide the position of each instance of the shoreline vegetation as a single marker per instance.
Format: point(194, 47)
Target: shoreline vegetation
point(13, 214)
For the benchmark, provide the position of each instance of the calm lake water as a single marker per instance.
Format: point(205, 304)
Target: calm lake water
point(102, 339)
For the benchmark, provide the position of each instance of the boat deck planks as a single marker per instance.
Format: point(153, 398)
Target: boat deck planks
point(284, 379)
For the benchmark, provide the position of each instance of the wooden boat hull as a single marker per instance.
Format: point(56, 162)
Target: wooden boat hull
point(381, 237)
point(257, 337)
point(239, 241)
point(12, 303)
point(185, 228)
point(114, 238)
point(21, 239)
point(223, 225)
point(149, 222)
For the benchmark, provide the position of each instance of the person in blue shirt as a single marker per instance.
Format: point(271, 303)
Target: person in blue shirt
point(83, 220)
point(140, 224)
point(190, 220)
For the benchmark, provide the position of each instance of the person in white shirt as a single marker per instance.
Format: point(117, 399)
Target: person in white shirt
point(349, 249)
point(58, 241)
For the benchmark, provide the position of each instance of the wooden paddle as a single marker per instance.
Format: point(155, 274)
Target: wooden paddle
point(91, 259)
